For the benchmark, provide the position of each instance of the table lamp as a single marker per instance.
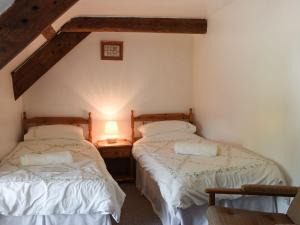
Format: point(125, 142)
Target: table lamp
point(111, 131)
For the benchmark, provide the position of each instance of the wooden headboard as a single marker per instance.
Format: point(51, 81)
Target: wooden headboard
point(39, 121)
point(146, 118)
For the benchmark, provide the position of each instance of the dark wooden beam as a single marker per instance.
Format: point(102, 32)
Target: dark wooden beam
point(43, 59)
point(49, 33)
point(21, 23)
point(133, 24)
point(78, 28)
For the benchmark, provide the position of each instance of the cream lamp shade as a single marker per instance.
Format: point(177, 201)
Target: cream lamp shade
point(111, 131)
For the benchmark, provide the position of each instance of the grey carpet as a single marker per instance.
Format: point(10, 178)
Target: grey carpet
point(136, 209)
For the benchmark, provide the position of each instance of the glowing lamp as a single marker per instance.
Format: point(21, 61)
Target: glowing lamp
point(111, 131)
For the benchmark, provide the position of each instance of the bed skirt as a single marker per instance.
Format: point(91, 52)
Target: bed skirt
point(194, 215)
point(84, 219)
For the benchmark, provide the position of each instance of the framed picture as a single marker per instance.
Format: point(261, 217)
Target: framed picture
point(111, 50)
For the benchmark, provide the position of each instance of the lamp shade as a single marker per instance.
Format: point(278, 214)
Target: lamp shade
point(111, 128)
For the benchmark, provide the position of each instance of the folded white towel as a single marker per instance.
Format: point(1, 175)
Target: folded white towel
point(204, 149)
point(46, 158)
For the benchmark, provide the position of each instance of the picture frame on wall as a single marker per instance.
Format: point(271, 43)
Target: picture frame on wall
point(111, 50)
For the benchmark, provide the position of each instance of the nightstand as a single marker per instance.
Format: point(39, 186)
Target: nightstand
point(118, 159)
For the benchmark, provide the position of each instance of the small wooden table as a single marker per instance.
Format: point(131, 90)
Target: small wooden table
point(118, 159)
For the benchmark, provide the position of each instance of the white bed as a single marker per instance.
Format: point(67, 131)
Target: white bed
point(175, 184)
point(81, 192)
point(84, 187)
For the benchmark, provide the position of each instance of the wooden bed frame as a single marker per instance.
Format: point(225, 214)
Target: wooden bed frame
point(145, 118)
point(39, 121)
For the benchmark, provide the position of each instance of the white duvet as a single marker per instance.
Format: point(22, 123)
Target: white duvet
point(82, 187)
point(182, 179)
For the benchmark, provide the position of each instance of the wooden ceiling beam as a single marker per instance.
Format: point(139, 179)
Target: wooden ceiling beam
point(21, 23)
point(134, 24)
point(49, 33)
point(43, 59)
point(77, 29)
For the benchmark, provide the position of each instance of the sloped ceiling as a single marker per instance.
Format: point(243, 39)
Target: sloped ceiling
point(23, 21)
point(144, 8)
point(74, 31)
point(138, 8)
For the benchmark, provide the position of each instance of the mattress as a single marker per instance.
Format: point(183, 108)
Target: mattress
point(82, 187)
point(182, 179)
point(195, 215)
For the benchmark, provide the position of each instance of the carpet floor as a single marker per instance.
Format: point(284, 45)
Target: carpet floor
point(136, 210)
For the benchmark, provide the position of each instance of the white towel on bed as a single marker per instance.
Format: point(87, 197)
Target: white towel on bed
point(53, 158)
point(188, 148)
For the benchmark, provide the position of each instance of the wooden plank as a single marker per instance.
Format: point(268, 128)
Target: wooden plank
point(49, 33)
point(43, 59)
point(211, 199)
point(161, 117)
point(240, 191)
point(38, 121)
point(134, 24)
point(21, 23)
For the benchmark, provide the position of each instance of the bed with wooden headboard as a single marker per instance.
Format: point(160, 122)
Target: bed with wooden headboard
point(175, 181)
point(53, 168)
point(146, 118)
point(76, 121)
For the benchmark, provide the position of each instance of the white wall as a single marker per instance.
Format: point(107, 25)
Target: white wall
point(155, 76)
point(10, 115)
point(247, 76)
point(11, 110)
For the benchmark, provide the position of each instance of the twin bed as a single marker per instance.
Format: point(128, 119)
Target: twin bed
point(83, 192)
point(175, 183)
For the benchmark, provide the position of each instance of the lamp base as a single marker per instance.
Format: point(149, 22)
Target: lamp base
point(112, 140)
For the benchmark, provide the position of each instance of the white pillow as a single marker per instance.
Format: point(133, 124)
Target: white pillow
point(51, 158)
point(54, 132)
point(196, 148)
point(162, 127)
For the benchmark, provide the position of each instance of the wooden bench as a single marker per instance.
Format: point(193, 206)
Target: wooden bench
point(230, 216)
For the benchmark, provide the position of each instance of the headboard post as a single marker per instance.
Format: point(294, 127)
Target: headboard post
point(24, 124)
point(90, 138)
point(24, 116)
point(191, 115)
point(132, 126)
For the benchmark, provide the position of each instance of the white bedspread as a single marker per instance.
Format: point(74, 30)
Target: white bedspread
point(83, 187)
point(182, 179)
